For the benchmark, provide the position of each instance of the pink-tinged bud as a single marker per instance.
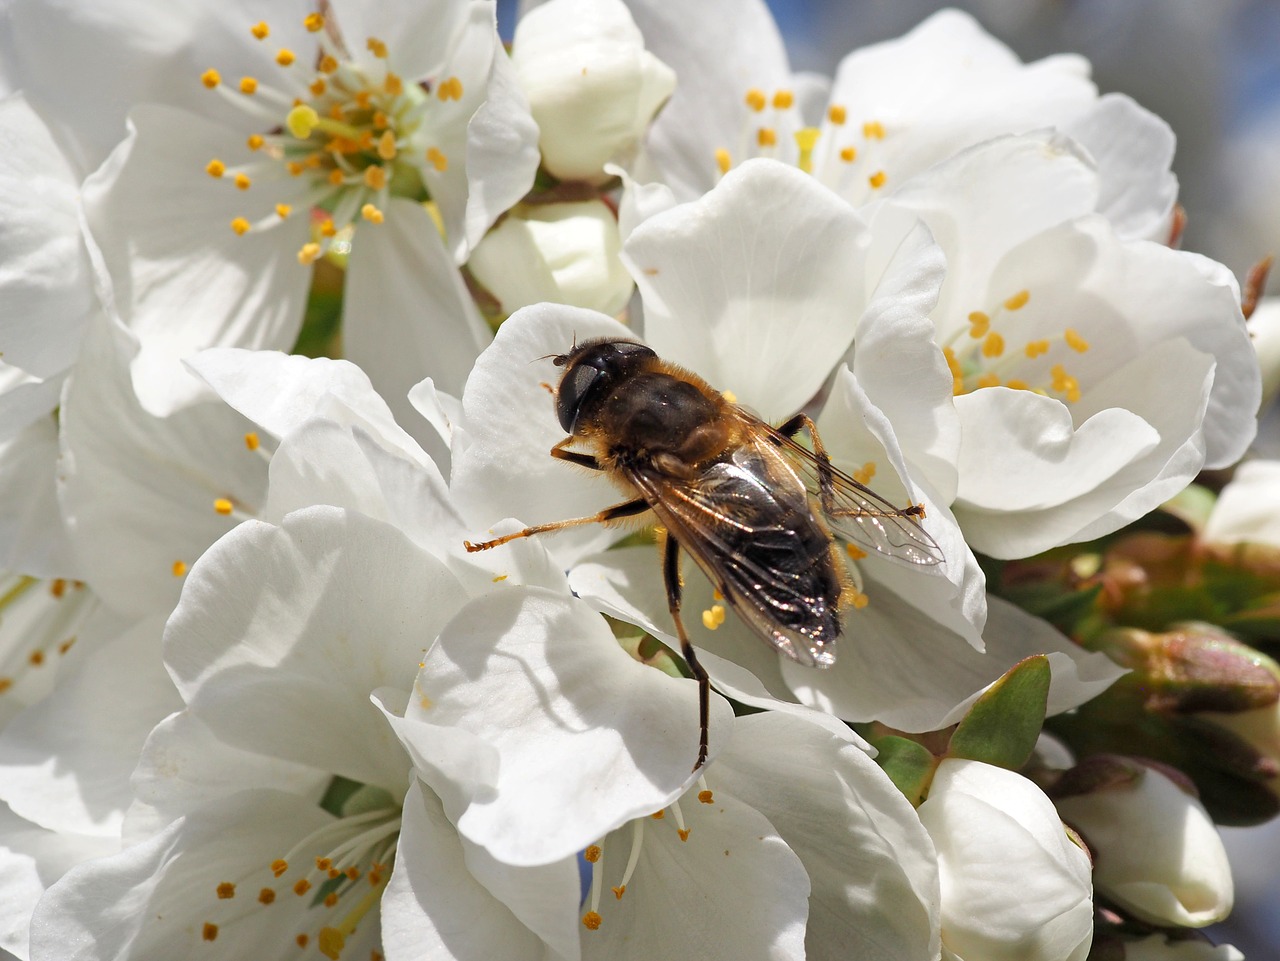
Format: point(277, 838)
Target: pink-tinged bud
point(1156, 853)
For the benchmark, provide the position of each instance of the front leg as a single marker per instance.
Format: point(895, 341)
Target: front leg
point(573, 457)
point(617, 511)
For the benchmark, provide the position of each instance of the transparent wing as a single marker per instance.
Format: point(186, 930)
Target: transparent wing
point(856, 512)
point(757, 541)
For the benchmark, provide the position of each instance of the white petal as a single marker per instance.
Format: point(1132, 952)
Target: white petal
point(719, 50)
point(33, 535)
point(138, 490)
point(501, 464)
point(229, 290)
point(406, 312)
point(1248, 509)
point(461, 920)
point(695, 893)
point(311, 617)
point(754, 285)
point(587, 737)
point(418, 35)
point(859, 840)
point(65, 762)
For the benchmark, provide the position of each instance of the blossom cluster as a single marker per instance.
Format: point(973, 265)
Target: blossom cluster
point(282, 286)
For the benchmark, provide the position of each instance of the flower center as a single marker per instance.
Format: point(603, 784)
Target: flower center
point(979, 354)
point(593, 856)
point(39, 621)
point(842, 155)
point(350, 128)
point(341, 869)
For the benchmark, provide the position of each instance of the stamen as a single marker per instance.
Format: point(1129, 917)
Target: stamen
point(223, 506)
point(783, 99)
point(873, 130)
point(327, 64)
point(255, 141)
point(211, 78)
point(1015, 384)
point(988, 379)
point(331, 942)
point(308, 254)
point(371, 213)
point(837, 114)
point(993, 346)
point(260, 30)
point(680, 828)
point(1075, 341)
point(1035, 348)
point(251, 440)
point(375, 178)
point(279, 866)
point(849, 154)
point(243, 182)
point(591, 921)
point(248, 86)
point(179, 568)
point(713, 617)
point(979, 324)
point(376, 47)
point(855, 552)
point(766, 137)
point(285, 57)
point(864, 475)
point(637, 840)
point(1018, 300)
point(240, 226)
point(209, 932)
point(215, 168)
point(314, 22)
point(860, 600)
point(704, 793)
point(437, 159)
point(226, 890)
point(756, 99)
point(283, 210)
point(266, 896)
point(877, 180)
point(387, 146)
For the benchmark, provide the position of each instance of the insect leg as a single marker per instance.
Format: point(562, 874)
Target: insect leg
point(826, 482)
point(627, 509)
point(671, 576)
point(573, 457)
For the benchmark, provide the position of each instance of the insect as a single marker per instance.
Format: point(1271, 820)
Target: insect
point(754, 508)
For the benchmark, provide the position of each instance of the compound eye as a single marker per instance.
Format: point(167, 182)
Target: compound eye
point(574, 385)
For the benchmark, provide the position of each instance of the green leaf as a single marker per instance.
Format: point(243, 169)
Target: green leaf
point(909, 765)
point(1002, 726)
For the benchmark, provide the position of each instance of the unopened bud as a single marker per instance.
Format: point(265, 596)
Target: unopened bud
point(1156, 853)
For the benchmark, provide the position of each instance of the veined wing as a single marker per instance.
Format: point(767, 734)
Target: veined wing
point(758, 542)
point(855, 511)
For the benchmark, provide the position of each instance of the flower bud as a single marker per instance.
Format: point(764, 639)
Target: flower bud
point(1264, 332)
point(1015, 885)
point(566, 253)
point(1158, 947)
point(592, 86)
point(1156, 853)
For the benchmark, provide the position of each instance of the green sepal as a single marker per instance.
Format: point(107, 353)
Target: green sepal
point(909, 765)
point(1002, 726)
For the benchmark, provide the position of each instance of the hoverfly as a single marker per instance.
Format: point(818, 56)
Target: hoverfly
point(755, 509)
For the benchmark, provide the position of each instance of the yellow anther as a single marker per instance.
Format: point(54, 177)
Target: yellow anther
point(215, 168)
point(240, 226)
point(318, 87)
point(766, 136)
point(1016, 384)
point(226, 890)
point(849, 154)
point(979, 324)
point(1035, 348)
point(327, 228)
point(285, 57)
point(783, 99)
point(279, 866)
point(806, 138)
point(295, 169)
point(327, 64)
point(308, 253)
point(337, 177)
point(873, 130)
point(877, 180)
point(988, 380)
point(437, 159)
point(223, 506)
point(658, 815)
point(248, 85)
point(380, 121)
point(331, 941)
point(860, 600)
point(209, 932)
point(837, 114)
point(375, 178)
point(684, 833)
point(331, 899)
point(387, 145)
point(709, 620)
point(993, 346)
point(865, 473)
point(283, 210)
point(36, 658)
point(454, 86)
point(314, 22)
point(394, 86)
point(301, 887)
point(260, 30)
point(376, 47)
point(756, 99)
point(179, 568)
point(302, 940)
point(66, 645)
point(211, 78)
point(266, 896)
point(323, 864)
point(371, 213)
point(619, 891)
point(301, 120)
point(255, 141)
point(58, 587)
point(499, 578)
point(592, 854)
point(591, 921)
point(1075, 341)
point(706, 797)
point(855, 552)
point(5, 684)
point(1018, 300)
point(243, 182)
point(723, 161)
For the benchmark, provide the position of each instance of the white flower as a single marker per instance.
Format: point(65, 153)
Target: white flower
point(566, 253)
point(1264, 332)
point(1061, 338)
point(1014, 884)
point(1247, 510)
point(893, 109)
point(270, 179)
point(760, 287)
point(592, 86)
point(1156, 852)
point(1157, 947)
